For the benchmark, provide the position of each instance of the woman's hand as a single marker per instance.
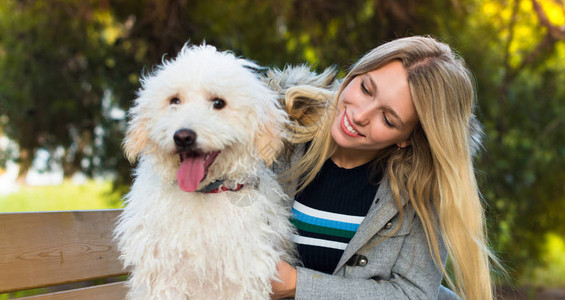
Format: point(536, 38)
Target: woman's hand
point(286, 287)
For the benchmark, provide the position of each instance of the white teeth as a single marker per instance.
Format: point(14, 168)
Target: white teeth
point(207, 156)
point(348, 126)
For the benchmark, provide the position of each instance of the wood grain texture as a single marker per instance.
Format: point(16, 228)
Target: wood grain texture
point(112, 291)
point(50, 248)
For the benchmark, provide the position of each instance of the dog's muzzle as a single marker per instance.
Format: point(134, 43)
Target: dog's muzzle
point(194, 163)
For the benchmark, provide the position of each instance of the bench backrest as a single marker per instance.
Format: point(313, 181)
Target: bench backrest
point(44, 249)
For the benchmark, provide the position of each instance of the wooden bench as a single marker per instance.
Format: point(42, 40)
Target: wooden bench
point(73, 248)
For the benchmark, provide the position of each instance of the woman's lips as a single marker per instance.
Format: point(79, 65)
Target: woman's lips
point(347, 127)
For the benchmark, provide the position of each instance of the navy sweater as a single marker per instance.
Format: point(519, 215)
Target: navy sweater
point(329, 210)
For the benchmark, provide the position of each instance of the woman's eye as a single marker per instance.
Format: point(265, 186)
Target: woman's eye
point(387, 122)
point(174, 101)
point(364, 88)
point(218, 103)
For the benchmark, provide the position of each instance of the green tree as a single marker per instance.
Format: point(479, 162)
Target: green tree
point(517, 55)
point(55, 60)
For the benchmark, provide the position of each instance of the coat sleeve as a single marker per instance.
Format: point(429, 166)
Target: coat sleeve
point(414, 275)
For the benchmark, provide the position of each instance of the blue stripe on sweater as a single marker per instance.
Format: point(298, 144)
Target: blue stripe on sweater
point(324, 222)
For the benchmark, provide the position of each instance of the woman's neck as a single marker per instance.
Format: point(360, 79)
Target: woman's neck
point(349, 158)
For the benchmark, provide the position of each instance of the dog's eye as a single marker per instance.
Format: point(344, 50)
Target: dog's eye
point(219, 103)
point(174, 101)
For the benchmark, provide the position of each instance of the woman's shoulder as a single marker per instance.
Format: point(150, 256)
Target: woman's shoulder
point(290, 156)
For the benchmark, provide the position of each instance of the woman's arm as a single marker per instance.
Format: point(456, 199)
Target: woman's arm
point(414, 275)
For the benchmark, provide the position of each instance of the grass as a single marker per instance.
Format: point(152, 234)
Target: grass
point(67, 196)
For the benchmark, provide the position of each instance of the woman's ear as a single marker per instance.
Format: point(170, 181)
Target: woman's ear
point(403, 144)
point(416, 132)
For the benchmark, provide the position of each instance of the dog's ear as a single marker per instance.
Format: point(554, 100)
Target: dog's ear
point(136, 135)
point(269, 144)
point(269, 140)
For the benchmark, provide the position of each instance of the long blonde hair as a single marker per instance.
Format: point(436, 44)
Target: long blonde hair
point(435, 174)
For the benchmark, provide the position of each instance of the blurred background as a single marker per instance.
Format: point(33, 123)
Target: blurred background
point(69, 70)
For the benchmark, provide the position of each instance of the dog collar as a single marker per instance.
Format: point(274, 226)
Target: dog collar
point(217, 187)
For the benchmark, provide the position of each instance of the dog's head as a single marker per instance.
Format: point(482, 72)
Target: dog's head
point(205, 115)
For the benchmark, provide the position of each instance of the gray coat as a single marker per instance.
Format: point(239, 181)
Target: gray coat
point(397, 267)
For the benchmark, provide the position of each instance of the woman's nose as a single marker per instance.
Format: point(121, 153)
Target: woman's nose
point(362, 115)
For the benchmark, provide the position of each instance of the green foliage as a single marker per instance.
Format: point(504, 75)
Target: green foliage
point(55, 59)
point(522, 107)
point(551, 273)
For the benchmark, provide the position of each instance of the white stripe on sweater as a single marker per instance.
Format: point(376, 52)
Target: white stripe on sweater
point(318, 242)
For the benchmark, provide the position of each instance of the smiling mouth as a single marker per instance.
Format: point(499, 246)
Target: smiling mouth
point(347, 127)
point(193, 168)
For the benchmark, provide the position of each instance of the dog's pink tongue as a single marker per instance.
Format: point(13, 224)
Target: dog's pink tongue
point(190, 173)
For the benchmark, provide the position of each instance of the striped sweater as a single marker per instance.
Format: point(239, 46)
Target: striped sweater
point(328, 212)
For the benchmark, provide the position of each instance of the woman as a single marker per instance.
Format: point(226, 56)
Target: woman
point(400, 136)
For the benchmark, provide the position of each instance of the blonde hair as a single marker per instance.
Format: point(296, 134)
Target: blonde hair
point(435, 174)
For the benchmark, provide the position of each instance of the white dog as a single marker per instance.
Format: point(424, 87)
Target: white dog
point(205, 218)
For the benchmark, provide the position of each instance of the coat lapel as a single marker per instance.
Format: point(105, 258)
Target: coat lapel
point(379, 214)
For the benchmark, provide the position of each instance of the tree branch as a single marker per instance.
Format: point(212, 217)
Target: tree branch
point(555, 32)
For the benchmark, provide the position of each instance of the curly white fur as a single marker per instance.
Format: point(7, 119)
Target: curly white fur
point(198, 245)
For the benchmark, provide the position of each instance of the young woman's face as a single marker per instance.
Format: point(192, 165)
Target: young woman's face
point(375, 110)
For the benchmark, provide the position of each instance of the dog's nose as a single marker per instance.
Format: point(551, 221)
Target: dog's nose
point(184, 138)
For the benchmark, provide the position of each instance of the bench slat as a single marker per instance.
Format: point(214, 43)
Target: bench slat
point(50, 248)
point(112, 291)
